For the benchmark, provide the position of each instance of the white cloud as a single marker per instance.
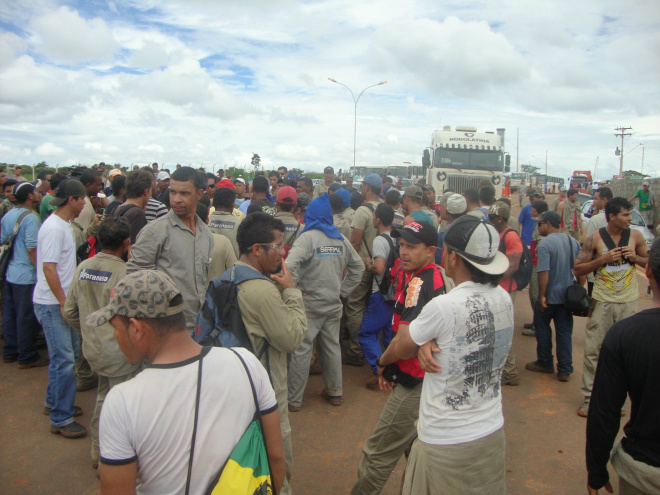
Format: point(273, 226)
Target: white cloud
point(296, 152)
point(49, 150)
point(156, 148)
point(11, 47)
point(64, 35)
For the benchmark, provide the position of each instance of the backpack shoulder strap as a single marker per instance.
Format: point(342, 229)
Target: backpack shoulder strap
point(607, 238)
point(17, 225)
point(625, 238)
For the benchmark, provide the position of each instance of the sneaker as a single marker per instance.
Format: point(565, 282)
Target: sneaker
point(583, 410)
point(352, 361)
point(372, 383)
point(42, 361)
point(540, 367)
point(562, 377)
point(293, 408)
point(528, 325)
point(72, 430)
point(334, 400)
point(529, 332)
point(77, 411)
point(514, 382)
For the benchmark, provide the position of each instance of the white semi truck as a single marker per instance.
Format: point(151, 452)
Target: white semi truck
point(462, 158)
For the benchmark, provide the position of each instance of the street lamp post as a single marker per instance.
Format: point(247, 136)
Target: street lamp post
point(355, 100)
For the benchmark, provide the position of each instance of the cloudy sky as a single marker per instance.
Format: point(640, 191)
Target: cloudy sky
point(211, 82)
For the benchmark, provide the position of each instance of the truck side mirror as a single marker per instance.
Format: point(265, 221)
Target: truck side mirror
point(507, 169)
point(507, 160)
point(426, 159)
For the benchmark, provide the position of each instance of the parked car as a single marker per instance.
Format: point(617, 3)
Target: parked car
point(636, 224)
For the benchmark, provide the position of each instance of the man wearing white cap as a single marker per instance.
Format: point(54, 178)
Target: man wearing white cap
point(460, 444)
point(163, 188)
point(646, 203)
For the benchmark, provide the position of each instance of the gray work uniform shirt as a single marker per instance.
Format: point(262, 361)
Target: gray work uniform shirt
point(225, 223)
point(317, 263)
point(167, 245)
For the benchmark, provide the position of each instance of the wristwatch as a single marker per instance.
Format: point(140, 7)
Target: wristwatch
point(378, 362)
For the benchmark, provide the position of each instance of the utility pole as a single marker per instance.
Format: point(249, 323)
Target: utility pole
point(622, 134)
point(517, 147)
point(546, 164)
point(642, 160)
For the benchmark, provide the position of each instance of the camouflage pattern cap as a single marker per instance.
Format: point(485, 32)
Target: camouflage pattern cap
point(143, 294)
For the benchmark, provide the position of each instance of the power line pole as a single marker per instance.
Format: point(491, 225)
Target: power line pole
point(517, 147)
point(622, 134)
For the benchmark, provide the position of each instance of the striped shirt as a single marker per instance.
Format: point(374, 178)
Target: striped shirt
point(155, 209)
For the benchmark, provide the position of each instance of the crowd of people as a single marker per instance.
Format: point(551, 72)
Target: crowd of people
point(110, 273)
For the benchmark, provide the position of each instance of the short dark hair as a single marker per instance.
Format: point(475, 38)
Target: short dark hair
point(308, 182)
point(384, 213)
point(185, 174)
point(137, 182)
point(202, 211)
point(356, 200)
point(615, 205)
point(23, 192)
point(113, 231)
point(540, 206)
point(393, 197)
point(477, 276)
point(224, 197)
point(471, 195)
point(260, 184)
point(209, 175)
point(273, 173)
point(387, 180)
point(605, 193)
point(43, 174)
point(257, 228)
point(89, 176)
point(205, 200)
point(572, 191)
point(373, 189)
point(9, 182)
point(55, 180)
point(506, 201)
point(18, 168)
point(487, 195)
point(281, 167)
point(336, 202)
point(118, 183)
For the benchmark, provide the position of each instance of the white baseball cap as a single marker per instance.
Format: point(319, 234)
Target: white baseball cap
point(646, 183)
point(163, 176)
point(477, 242)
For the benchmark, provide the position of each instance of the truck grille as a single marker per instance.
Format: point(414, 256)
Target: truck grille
point(459, 183)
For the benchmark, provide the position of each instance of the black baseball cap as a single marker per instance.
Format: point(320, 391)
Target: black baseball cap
point(552, 217)
point(68, 188)
point(416, 232)
point(328, 170)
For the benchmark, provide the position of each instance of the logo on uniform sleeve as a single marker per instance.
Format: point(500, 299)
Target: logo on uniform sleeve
point(290, 227)
point(414, 288)
point(324, 251)
point(95, 276)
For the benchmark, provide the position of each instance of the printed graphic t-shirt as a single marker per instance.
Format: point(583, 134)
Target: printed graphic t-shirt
point(473, 327)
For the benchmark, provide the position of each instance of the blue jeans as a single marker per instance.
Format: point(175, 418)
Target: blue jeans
point(19, 324)
point(377, 319)
point(563, 330)
point(63, 348)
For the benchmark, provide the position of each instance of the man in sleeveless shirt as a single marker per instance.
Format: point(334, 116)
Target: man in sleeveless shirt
point(612, 253)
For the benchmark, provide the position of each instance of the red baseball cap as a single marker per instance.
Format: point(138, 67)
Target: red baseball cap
point(226, 183)
point(287, 195)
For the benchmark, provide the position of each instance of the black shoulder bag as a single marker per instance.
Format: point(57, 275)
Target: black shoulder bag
point(577, 298)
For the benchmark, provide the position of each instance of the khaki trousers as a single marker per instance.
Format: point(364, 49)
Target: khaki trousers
point(635, 477)
point(354, 308)
point(475, 468)
point(602, 317)
point(105, 385)
point(394, 433)
point(510, 369)
point(84, 373)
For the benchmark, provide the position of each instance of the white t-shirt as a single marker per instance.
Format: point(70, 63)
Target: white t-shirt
point(381, 249)
point(150, 419)
point(55, 244)
point(473, 327)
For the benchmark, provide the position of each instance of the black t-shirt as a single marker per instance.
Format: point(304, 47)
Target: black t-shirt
point(628, 364)
point(135, 216)
point(262, 205)
point(163, 197)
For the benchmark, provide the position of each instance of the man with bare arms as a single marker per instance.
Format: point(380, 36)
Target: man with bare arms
point(611, 253)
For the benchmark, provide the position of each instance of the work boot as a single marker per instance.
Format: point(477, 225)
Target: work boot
point(562, 377)
point(72, 430)
point(539, 367)
point(372, 383)
point(334, 400)
point(529, 332)
point(42, 361)
point(513, 382)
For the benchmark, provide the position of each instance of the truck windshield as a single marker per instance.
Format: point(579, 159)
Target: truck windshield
point(468, 159)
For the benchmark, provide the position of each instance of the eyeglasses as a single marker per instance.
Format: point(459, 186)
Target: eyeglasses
point(211, 186)
point(269, 245)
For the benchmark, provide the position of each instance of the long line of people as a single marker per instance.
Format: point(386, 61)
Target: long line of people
point(324, 277)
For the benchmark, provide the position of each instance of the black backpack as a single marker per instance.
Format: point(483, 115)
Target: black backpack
point(386, 285)
point(219, 323)
point(523, 275)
